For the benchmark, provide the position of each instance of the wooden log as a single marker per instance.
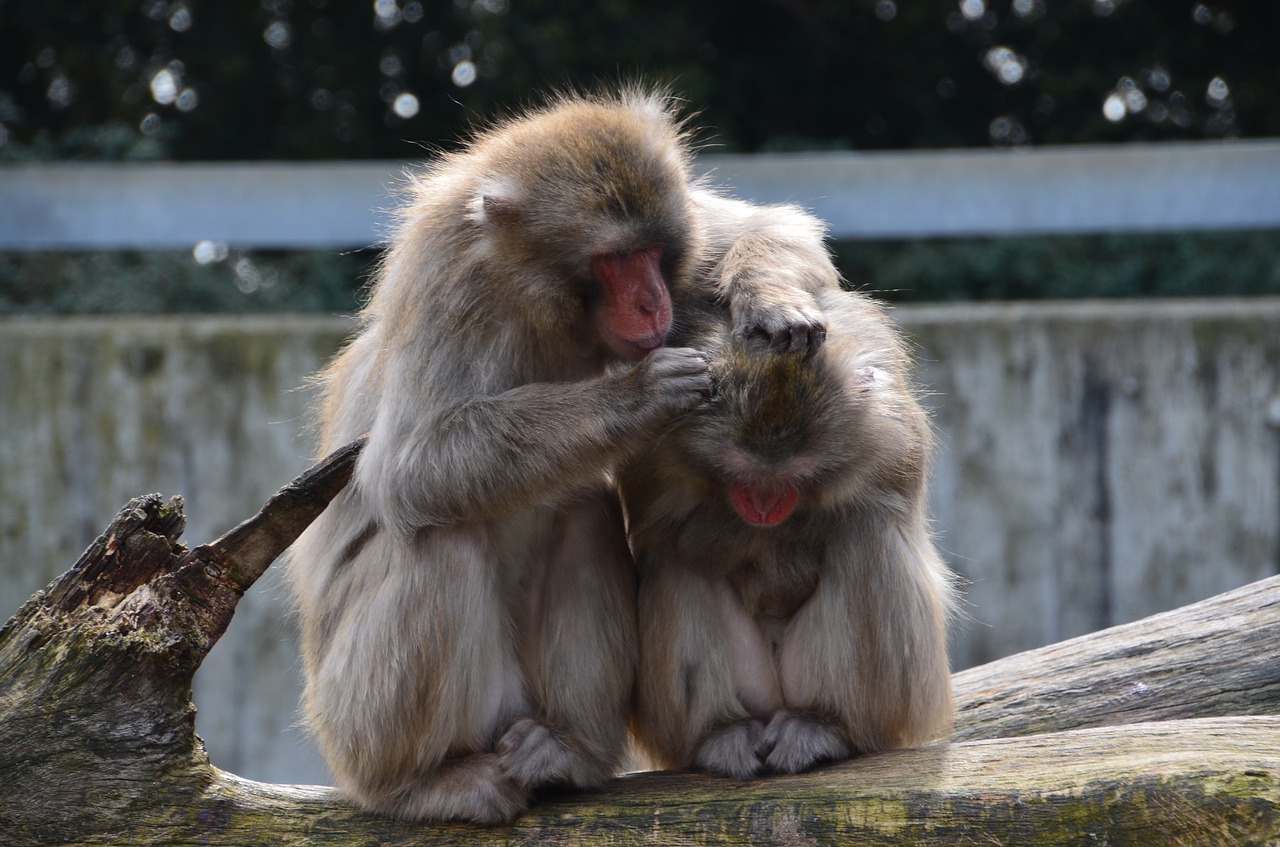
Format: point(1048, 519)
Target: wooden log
point(1203, 781)
point(97, 740)
point(1220, 656)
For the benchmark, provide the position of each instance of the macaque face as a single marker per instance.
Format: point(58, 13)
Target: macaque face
point(634, 311)
point(788, 428)
point(596, 219)
point(763, 439)
point(766, 499)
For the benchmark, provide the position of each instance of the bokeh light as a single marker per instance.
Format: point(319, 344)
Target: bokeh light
point(464, 73)
point(405, 105)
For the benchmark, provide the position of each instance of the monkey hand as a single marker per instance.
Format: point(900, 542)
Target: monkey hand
point(674, 379)
point(787, 327)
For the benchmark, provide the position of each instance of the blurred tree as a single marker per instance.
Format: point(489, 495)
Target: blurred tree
point(307, 79)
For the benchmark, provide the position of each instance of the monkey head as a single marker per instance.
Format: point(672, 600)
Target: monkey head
point(784, 431)
point(587, 203)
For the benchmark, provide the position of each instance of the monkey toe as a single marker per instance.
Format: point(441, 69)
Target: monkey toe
point(732, 750)
point(473, 789)
point(798, 742)
point(495, 803)
point(532, 754)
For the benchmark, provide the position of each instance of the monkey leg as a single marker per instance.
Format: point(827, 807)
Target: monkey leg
point(578, 651)
point(867, 652)
point(412, 675)
point(706, 678)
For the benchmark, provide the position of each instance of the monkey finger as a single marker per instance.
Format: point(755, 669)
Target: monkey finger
point(666, 362)
point(791, 330)
point(806, 338)
point(731, 750)
point(817, 337)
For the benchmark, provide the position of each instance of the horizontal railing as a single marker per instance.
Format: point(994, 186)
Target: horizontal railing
point(1137, 187)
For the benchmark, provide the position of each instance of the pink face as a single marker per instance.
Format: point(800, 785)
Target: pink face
point(766, 495)
point(636, 310)
point(763, 504)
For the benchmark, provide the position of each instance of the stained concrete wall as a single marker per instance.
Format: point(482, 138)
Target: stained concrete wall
point(1097, 462)
point(1100, 462)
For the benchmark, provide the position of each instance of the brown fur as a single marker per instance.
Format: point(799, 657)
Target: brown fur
point(770, 648)
point(467, 602)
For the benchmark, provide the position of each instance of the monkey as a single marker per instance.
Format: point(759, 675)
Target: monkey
point(793, 608)
point(768, 264)
point(466, 604)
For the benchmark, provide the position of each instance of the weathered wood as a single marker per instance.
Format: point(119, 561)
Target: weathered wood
point(97, 740)
point(96, 720)
point(1217, 657)
point(1186, 782)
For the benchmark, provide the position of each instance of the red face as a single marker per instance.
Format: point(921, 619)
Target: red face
point(763, 503)
point(635, 313)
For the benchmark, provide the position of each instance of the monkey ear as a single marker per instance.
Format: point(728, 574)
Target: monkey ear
point(499, 208)
point(865, 379)
point(495, 204)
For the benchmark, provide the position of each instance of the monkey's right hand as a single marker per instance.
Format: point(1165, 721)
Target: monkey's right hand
point(674, 379)
point(788, 327)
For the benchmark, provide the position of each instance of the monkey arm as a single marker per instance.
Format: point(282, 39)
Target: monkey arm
point(477, 456)
point(769, 264)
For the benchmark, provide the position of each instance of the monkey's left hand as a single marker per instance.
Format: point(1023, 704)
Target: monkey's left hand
point(789, 328)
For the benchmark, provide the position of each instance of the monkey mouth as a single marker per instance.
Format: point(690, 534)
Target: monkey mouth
point(631, 348)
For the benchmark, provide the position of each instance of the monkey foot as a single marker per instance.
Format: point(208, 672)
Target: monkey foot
point(732, 750)
point(474, 788)
point(532, 754)
point(795, 743)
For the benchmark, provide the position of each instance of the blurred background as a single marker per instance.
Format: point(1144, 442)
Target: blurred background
point(117, 80)
point(1107, 397)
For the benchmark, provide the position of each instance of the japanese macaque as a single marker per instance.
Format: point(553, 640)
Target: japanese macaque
point(467, 603)
point(792, 606)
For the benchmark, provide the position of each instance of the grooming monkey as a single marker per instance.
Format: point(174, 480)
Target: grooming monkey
point(467, 602)
point(792, 606)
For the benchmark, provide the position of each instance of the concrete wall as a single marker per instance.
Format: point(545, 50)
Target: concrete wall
point(93, 412)
point(1101, 462)
point(1098, 462)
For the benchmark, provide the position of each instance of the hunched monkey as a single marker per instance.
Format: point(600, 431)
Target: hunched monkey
point(467, 602)
point(792, 606)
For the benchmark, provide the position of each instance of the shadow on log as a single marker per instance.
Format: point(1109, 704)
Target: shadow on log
point(97, 738)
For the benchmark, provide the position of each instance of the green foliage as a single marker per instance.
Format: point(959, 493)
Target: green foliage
point(1177, 265)
point(1199, 264)
point(320, 79)
point(288, 79)
point(127, 282)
